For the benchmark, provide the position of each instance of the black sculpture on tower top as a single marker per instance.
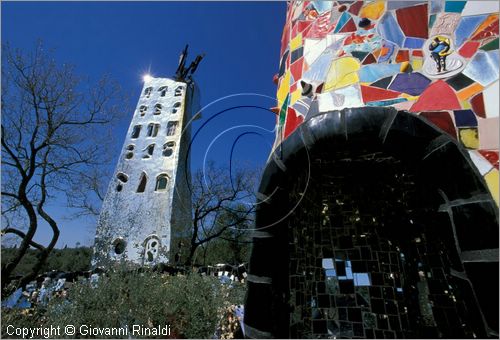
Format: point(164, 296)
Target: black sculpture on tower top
point(183, 73)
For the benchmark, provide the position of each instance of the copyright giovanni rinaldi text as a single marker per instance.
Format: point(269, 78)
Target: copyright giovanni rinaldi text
point(85, 330)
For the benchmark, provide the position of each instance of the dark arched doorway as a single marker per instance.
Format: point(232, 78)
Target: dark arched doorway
point(373, 223)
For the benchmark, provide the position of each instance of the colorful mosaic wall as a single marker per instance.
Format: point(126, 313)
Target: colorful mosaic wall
point(435, 58)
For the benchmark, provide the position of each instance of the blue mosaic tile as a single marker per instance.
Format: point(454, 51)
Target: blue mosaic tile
point(483, 68)
point(466, 26)
point(390, 30)
point(412, 83)
point(414, 42)
point(454, 6)
point(373, 72)
point(465, 118)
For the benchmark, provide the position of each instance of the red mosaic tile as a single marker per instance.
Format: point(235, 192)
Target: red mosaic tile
point(295, 30)
point(302, 25)
point(442, 120)
point(285, 39)
point(491, 156)
point(469, 49)
point(417, 53)
point(372, 94)
point(410, 21)
point(296, 69)
point(489, 31)
point(355, 7)
point(350, 26)
point(437, 96)
point(403, 55)
point(292, 121)
point(370, 59)
point(477, 104)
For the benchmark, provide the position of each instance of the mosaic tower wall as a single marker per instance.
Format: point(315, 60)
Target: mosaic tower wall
point(148, 201)
point(377, 212)
point(342, 54)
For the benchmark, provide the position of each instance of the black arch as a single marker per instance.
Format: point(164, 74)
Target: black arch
point(445, 171)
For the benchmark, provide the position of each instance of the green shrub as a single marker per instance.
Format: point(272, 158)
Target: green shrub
point(192, 305)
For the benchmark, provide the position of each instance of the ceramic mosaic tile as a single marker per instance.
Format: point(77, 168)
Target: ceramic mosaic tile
point(435, 58)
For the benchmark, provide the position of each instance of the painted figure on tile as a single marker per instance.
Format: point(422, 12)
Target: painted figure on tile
point(440, 48)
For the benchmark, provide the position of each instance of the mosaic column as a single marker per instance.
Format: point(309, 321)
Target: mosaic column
point(378, 208)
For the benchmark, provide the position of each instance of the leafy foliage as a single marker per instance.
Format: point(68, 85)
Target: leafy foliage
point(192, 305)
point(68, 260)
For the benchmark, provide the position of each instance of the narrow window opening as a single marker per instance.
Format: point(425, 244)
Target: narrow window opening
point(161, 182)
point(149, 151)
point(176, 106)
point(119, 187)
point(171, 128)
point(157, 109)
point(136, 131)
point(163, 90)
point(142, 182)
point(130, 153)
point(142, 110)
point(153, 130)
point(147, 92)
point(168, 149)
point(178, 91)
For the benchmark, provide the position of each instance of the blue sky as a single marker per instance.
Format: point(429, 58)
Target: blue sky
point(240, 40)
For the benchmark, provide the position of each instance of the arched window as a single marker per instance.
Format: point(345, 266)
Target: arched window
point(147, 92)
point(142, 182)
point(130, 151)
point(122, 178)
point(161, 182)
point(178, 91)
point(142, 110)
point(176, 106)
point(153, 130)
point(119, 245)
point(148, 151)
point(136, 131)
point(157, 109)
point(171, 128)
point(168, 149)
point(163, 90)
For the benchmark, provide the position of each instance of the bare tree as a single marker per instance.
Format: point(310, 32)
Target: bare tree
point(53, 138)
point(223, 205)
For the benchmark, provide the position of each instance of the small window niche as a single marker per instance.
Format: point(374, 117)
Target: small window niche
point(161, 182)
point(157, 109)
point(178, 91)
point(171, 128)
point(176, 106)
point(168, 149)
point(152, 248)
point(122, 179)
point(130, 151)
point(148, 151)
point(147, 92)
point(142, 182)
point(136, 131)
point(119, 246)
point(153, 130)
point(163, 91)
point(142, 110)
